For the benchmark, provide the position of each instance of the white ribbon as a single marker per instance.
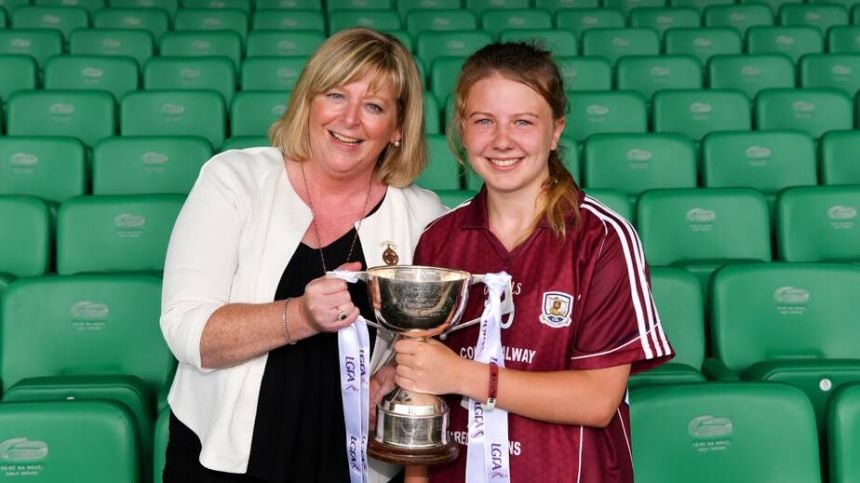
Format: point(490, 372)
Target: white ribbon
point(353, 344)
point(487, 454)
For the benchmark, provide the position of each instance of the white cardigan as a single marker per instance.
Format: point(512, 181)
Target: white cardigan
point(239, 227)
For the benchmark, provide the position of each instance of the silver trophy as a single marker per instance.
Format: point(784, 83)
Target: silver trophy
point(415, 302)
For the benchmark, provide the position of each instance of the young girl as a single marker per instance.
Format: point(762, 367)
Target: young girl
point(552, 400)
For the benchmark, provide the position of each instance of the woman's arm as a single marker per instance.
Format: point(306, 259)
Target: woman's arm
point(584, 397)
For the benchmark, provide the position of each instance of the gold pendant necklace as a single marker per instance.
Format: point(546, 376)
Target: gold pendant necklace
point(314, 222)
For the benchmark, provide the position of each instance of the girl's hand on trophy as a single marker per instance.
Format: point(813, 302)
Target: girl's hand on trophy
point(381, 383)
point(326, 305)
point(430, 367)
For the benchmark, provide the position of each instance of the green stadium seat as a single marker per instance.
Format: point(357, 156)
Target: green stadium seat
point(633, 163)
point(406, 6)
point(191, 43)
point(242, 5)
point(837, 71)
point(177, 113)
point(159, 452)
point(478, 7)
point(678, 299)
point(148, 164)
point(664, 18)
point(115, 233)
point(117, 75)
point(820, 16)
point(153, 20)
point(252, 113)
point(703, 229)
point(86, 115)
point(553, 6)
point(699, 5)
point(61, 19)
point(843, 434)
point(432, 117)
point(838, 157)
point(813, 111)
point(288, 4)
point(774, 5)
point(443, 75)
point(242, 142)
point(19, 73)
point(593, 112)
point(38, 44)
point(818, 224)
point(794, 42)
point(382, 20)
point(3, 18)
point(614, 43)
point(559, 42)
point(271, 73)
point(283, 43)
point(137, 44)
point(844, 39)
point(616, 200)
point(627, 6)
point(170, 6)
point(751, 73)
point(418, 21)
point(208, 18)
point(332, 5)
point(696, 113)
point(791, 323)
point(453, 198)
point(720, 432)
point(91, 6)
point(845, 3)
point(702, 43)
point(181, 73)
point(585, 73)
point(739, 17)
point(443, 172)
point(430, 45)
point(580, 21)
point(764, 160)
point(52, 168)
point(25, 236)
point(64, 441)
point(647, 74)
point(270, 19)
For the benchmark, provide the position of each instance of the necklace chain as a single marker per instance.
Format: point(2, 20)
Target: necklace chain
point(315, 224)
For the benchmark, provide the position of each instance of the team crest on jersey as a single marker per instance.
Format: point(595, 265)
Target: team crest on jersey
point(557, 307)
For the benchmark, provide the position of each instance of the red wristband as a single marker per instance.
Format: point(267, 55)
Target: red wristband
point(494, 387)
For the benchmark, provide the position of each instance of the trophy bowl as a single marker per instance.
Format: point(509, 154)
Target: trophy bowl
point(416, 302)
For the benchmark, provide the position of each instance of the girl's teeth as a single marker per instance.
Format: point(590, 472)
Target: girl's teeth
point(503, 162)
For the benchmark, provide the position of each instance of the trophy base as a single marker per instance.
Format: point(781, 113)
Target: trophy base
point(400, 455)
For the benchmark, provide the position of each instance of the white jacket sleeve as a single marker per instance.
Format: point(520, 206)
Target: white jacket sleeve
point(202, 258)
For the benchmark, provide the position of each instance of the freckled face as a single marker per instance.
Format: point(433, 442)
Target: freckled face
point(508, 134)
point(350, 125)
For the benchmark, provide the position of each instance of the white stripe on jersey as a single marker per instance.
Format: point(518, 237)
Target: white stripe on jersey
point(579, 463)
point(646, 319)
point(624, 431)
point(443, 215)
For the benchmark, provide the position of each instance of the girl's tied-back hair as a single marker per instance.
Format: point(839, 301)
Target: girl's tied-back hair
point(528, 63)
point(346, 57)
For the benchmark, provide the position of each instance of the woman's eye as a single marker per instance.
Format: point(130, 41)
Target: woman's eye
point(334, 95)
point(375, 108)
point(483, 122)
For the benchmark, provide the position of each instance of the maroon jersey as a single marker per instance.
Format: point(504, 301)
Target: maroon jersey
point(584, 303)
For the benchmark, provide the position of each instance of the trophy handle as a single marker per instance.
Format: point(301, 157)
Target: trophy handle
point(507, 306)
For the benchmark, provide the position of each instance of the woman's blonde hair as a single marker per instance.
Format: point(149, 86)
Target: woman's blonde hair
point(529, 64)
point(345, 57)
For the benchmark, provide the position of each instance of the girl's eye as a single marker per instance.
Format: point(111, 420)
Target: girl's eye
point(523, 122)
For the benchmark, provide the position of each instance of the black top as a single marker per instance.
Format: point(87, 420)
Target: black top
point(299, 435)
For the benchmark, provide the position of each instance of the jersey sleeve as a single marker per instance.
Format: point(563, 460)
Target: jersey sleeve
point(618, 322)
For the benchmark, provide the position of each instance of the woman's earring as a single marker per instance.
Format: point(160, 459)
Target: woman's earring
point(396, 144)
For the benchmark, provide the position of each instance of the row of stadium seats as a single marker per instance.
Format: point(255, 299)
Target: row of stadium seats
point(643, 74)
point(57, 168)
point(712, 433)
point(609, 43)
point(493, 16)
point(81, 337)
point(91, 116)
point(698, 229)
